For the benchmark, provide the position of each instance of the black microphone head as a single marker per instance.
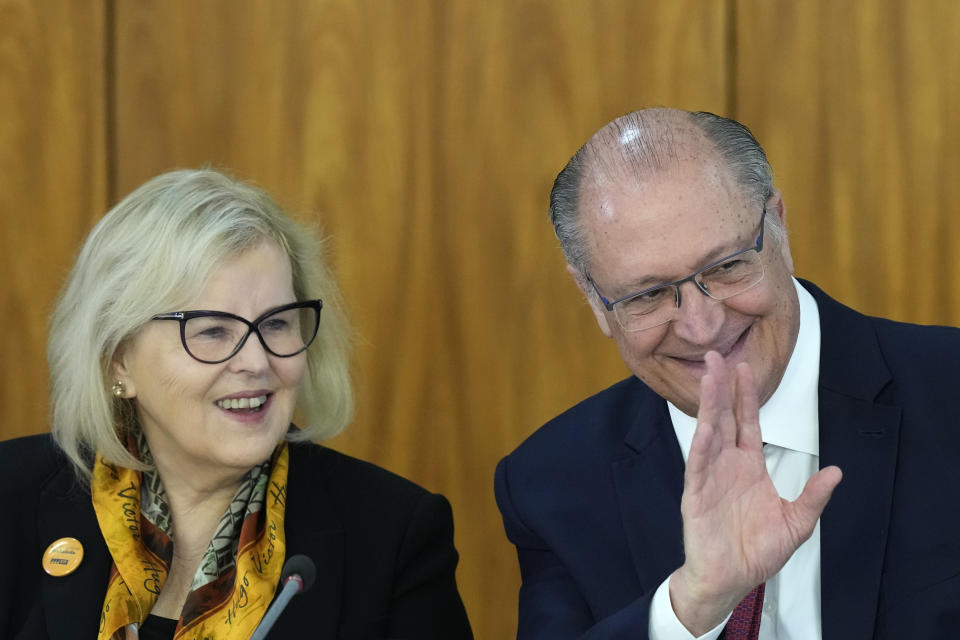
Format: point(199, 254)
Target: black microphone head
point(302, 566)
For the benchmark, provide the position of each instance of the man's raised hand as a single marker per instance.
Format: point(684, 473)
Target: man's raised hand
point(737, 531)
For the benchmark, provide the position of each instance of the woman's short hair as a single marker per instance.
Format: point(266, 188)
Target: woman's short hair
point(153, 253)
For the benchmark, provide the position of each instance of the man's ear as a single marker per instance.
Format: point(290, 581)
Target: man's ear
point(776, 206)
point(599, 311)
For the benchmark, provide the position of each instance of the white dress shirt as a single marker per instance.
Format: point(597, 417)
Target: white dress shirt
point(790, 428)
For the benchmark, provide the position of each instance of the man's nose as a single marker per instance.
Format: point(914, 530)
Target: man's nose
point(699, 318)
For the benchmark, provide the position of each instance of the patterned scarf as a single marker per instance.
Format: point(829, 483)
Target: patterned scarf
point(238, 575)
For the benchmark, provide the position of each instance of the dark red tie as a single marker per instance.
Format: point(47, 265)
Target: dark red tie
point(744, 622)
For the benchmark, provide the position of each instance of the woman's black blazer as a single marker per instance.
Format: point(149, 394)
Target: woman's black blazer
point(382, 546)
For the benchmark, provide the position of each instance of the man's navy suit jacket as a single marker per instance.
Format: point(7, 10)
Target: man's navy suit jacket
point(592, 499)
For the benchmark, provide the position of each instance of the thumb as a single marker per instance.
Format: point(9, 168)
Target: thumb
point(806, 509)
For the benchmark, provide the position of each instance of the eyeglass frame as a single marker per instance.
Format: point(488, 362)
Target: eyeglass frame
point(758, 247)
point(252, 326)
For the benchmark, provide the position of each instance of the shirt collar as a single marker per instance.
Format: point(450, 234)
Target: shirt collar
point(789, 418)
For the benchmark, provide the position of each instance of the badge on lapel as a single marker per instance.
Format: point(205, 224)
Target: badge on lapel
point(62, 557)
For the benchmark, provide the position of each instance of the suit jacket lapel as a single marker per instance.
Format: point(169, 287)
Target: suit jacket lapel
point(312, 527)
point(72, 603)
point(859, 435)
point(649, 483)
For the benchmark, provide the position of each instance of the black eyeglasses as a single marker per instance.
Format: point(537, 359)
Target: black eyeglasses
point(213, 337)
point(719, 280)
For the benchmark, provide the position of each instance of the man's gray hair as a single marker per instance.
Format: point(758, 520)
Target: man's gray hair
point(643, 142)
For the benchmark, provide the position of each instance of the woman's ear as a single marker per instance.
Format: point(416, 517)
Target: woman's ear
point(122, 385)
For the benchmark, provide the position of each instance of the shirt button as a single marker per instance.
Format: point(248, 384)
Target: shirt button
point(769, 606)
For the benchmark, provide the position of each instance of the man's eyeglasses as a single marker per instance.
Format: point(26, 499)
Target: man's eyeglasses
point(719, 280)
point(216, 336)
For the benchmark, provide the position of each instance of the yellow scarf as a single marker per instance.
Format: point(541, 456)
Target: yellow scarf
point(227, 608)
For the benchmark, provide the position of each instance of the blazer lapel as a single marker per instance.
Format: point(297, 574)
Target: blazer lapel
point(313, 529)
point(860, 435)
point(649, 484)
point(861, 438)
point(72, 603)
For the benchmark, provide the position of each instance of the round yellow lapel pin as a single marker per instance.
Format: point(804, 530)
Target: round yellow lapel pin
point(62, 557)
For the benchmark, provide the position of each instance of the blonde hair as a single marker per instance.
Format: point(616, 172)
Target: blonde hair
point(153, 253)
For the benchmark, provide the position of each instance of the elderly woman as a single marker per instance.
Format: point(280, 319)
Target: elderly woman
point(196, 319)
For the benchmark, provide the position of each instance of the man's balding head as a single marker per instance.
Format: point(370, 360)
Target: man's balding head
point(645, 144)
point(655, 198)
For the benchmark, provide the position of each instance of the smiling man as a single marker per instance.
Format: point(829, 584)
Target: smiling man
point(702, 497)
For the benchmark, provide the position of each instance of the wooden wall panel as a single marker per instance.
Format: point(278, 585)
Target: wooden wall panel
point(425, 136)
point(856, 103)
point(52, 180)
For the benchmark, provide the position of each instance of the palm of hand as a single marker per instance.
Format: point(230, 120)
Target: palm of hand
point(737, 530)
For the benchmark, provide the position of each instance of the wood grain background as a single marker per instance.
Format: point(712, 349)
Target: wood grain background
point(424, 135)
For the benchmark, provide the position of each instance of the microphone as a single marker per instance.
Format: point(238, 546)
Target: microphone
point(297, 576)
